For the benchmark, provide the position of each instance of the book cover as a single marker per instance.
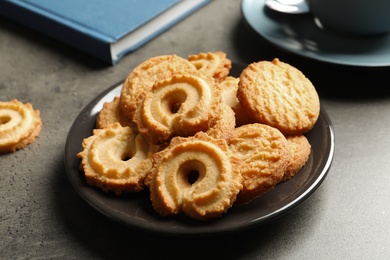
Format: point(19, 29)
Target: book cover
point(105, 29)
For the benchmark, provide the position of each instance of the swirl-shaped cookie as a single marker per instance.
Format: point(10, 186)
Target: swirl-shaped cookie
point(141, 79)
point(214, 64)
point(116, 159)
point(182, 105)
point(20, 124)
point(196, 175)
point(223, 124)
point(112, 113)
point(278, 94)
point(265, 155)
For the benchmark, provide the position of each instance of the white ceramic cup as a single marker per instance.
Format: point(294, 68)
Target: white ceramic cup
point(357, 17)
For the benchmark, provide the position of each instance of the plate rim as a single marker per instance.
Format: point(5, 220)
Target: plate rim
point(143, 226)
point(248, 5)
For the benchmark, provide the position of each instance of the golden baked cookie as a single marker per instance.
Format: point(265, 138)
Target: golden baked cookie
point(300, 149)
point(265, 155)
point(182, 105)
point(196, 175)
point(277, 94)
point(229, 88)
point(20, 124)
point(223, 124)
point(214, 64)
point(116, 159)
point(111, 113)
point(141, 79)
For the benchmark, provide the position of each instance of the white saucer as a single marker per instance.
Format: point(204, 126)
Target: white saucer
point(300, 35)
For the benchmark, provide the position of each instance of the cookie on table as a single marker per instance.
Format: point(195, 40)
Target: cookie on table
point(20, 124)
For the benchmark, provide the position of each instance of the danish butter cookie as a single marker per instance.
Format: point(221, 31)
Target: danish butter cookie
point(265, 155)
point(20, 124)
point(223, 124)
point(277, 94)
point(141, 79)
point(229, 88)
point(111, 113)
point(182, 105)
point(300, 149)
point(116, 159)
point(214, 64)
point(196, 175)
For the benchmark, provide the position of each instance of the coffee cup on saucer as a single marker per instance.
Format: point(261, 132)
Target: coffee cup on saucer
point(355, 17)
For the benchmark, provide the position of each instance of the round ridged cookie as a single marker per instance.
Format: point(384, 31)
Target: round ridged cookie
point(300, 149)
point(278, 94)
point(265, 155)
point(141, 79)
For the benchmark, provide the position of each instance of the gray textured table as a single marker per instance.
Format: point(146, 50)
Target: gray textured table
point(42, 217)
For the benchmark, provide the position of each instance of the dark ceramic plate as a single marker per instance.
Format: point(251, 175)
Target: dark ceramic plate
point(135, 210)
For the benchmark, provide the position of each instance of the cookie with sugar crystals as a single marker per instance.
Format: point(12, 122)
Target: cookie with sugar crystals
point(278, 94)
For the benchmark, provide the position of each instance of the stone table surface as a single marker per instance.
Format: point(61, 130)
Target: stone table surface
point(43, 217)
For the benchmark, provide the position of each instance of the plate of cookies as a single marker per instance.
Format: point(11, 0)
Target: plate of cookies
point(201, 146)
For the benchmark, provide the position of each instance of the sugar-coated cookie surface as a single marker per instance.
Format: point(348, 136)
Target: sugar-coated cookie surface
point(278, 94)
point(20, 124)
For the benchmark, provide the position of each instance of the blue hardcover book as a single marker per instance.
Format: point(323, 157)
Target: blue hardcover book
point(106, 29)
